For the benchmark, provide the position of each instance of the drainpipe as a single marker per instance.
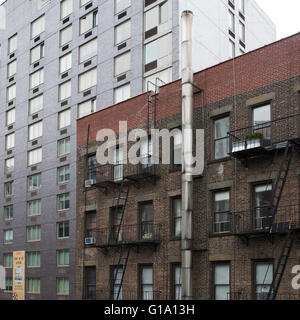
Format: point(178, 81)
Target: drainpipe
point(187, 153)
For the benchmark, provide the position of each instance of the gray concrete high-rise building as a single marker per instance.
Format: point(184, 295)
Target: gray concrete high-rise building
point(60, 60)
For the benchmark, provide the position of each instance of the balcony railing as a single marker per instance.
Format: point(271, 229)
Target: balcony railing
point(107, 294)
point(258, 220)
point(140, 234)
point(115, 173)
point(265, 135)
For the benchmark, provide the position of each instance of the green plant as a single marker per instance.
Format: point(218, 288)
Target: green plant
point(254, 135)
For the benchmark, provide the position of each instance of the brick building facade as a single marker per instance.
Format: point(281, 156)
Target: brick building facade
point(236, 243)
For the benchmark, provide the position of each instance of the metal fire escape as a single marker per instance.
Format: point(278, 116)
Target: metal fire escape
point(290, 147)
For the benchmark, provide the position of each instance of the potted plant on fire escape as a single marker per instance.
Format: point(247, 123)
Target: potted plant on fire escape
point(254, 140)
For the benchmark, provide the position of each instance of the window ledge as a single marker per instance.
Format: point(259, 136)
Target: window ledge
point(218, 160)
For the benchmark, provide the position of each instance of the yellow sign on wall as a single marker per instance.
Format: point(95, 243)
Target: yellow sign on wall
point(19, 275)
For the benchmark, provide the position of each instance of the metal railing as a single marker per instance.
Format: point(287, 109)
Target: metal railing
point(257, 220)
point(273, 132)
point(147, 167)
point(142, 233)
point(107, 294)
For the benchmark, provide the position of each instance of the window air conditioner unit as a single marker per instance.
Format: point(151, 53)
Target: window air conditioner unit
point(88, 241)
point(88, 183)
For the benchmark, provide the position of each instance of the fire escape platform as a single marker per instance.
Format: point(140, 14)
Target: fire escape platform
point(131, 243)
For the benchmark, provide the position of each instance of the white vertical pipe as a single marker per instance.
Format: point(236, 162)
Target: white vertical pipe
point(187, 150)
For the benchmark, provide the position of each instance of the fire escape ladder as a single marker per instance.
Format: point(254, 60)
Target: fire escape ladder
point(124, 251)
point(281, 265)
point(281, 180)
point(290, 236)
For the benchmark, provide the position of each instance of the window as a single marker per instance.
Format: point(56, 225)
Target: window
point(33, 259)
point(9, 189)
point(231, 49)
point(34, 233)
point(33, 285)
point(121, 5)
point(11, 92)
point(90, 224)
point(221, 214)
point(263, 279)
point(87, 107)
point(64, 119)
point(66, 35)
point(123, 32)
point(65, 90)
point(262, 205)
point(90, 283)
point(10, 116)
point(117, 289)
point(88, 50)
point(34, 208)
point(242, 6)
point(8, 260)
point(63, 174)
point(36, 78)
point(87, 80)
point(34, 182)
point(9, 165)
point(158, 53)
point(8, 236)
point(231, 22)
point(177, 150)
point(177, 281)
point(12, 44)
point(221, 139)
point(8, 212)
point(92, 167)
point(261, 120)
point(177, 217)
point(118, 163)
point(221, 281)
point(37, 27)
point(146, 220)
point(122, 93)
point(157, 16)
point(63, 201)
point(36, 104)
point(62, 286)
point(63, 146)
point(146, 284)
point(34, 156)
point(35, 130)
point(66, 8)
point(122, 63)
point(63, 230)
point(88, 22)
point(8, 284)
point(63, 258)
point(37, 53)
point(12, 68)
point(65, 63)
point(242, 31)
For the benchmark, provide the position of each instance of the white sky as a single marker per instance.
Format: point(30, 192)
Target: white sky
point(285, 15)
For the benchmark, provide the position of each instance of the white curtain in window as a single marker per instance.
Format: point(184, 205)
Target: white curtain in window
point(36, 104)
point(121, 5)
point(11, 92)
point(34, 156)
point(221, 278)
point(123, 32)
point(147, 278)
point(65, 90)
point(10, 141)
point(12, 68)
point(122, 63)
point(36, 78)
point(66, 35)
point(36, 130)
point(86, 108)
point(12, 44)
point(10, 116)
point(64, 119)
point(38, 26)
point(88, 80)
point(66, 63)
point(122, 93)
point(66, 7)
point(88, 50)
